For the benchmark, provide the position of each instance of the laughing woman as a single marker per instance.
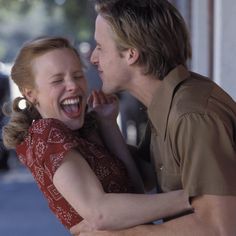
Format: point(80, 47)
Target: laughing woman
point(78, 159)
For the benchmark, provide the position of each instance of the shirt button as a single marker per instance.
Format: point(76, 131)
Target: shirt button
point(161, 168)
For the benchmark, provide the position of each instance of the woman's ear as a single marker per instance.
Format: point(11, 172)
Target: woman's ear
point(29, 94)
point(132, 56)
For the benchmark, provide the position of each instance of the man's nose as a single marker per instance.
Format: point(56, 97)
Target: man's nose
point(93, 58)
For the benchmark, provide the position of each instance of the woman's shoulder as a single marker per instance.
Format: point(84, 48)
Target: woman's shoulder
point(47, 137)
point(46, 124)
point(51, 130)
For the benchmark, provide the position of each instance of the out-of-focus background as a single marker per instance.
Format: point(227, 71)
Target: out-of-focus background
point(23, 210)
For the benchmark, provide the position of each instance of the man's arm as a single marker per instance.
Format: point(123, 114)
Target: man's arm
point(213, 216)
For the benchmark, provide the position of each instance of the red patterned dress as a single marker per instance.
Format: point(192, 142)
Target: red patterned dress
point(42, 152)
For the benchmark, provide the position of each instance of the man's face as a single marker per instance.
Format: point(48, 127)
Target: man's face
point(112, 67)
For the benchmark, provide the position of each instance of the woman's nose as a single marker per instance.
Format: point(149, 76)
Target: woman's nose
point(72, 85)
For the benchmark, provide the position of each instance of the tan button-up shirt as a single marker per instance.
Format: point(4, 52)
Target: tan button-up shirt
point(193, 133)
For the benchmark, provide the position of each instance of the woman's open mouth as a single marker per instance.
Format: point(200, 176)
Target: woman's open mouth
point(72, 107)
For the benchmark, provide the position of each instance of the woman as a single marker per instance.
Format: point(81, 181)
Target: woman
point(61, 143)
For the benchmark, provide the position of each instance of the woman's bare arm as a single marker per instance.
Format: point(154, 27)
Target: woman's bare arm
point(80, 187)
point(106, 107)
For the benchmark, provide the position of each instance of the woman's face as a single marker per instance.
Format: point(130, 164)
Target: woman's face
point(61, 88)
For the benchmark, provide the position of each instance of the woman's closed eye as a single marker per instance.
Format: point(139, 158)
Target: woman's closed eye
point(57, 78)
point(57, 81)
point(78, 76)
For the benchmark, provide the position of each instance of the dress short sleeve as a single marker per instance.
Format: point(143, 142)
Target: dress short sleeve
point(207, 153)
point(51, 140)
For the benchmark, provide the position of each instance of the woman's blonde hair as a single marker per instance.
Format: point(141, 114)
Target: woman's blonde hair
point(20, 119)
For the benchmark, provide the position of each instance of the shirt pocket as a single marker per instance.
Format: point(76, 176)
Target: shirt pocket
point(169, 180)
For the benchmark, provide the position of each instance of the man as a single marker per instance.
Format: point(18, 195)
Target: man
point(142, 47)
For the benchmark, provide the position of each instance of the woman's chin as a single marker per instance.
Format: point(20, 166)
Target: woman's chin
point(75, 124)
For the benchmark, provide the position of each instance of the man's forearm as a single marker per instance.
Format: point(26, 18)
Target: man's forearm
point(213, 216)
point(183, 226)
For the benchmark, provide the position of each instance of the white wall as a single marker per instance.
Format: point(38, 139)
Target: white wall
point(200, 37)
point(224, 71)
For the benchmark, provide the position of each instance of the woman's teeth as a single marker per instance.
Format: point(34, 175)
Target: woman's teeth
point(71, 105)
point(71, 101)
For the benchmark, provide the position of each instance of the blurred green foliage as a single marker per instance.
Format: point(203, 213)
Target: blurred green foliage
point(21, 20)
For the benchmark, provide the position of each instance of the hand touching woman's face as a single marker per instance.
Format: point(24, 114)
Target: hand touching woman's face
point(61, 88)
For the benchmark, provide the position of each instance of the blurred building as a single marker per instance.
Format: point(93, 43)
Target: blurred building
point(4, 97)
point(211, 24)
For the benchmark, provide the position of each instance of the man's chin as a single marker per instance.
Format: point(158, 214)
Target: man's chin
point(109, 90)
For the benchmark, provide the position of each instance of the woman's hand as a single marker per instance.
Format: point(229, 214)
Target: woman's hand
point(106, 106)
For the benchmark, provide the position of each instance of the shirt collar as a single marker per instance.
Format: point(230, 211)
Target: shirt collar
point(159, 108)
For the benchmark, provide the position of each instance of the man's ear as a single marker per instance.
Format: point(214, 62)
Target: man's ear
point(132, 56)
point(29, 94)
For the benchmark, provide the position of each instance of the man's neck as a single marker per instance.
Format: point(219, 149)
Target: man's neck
point(143, 88)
